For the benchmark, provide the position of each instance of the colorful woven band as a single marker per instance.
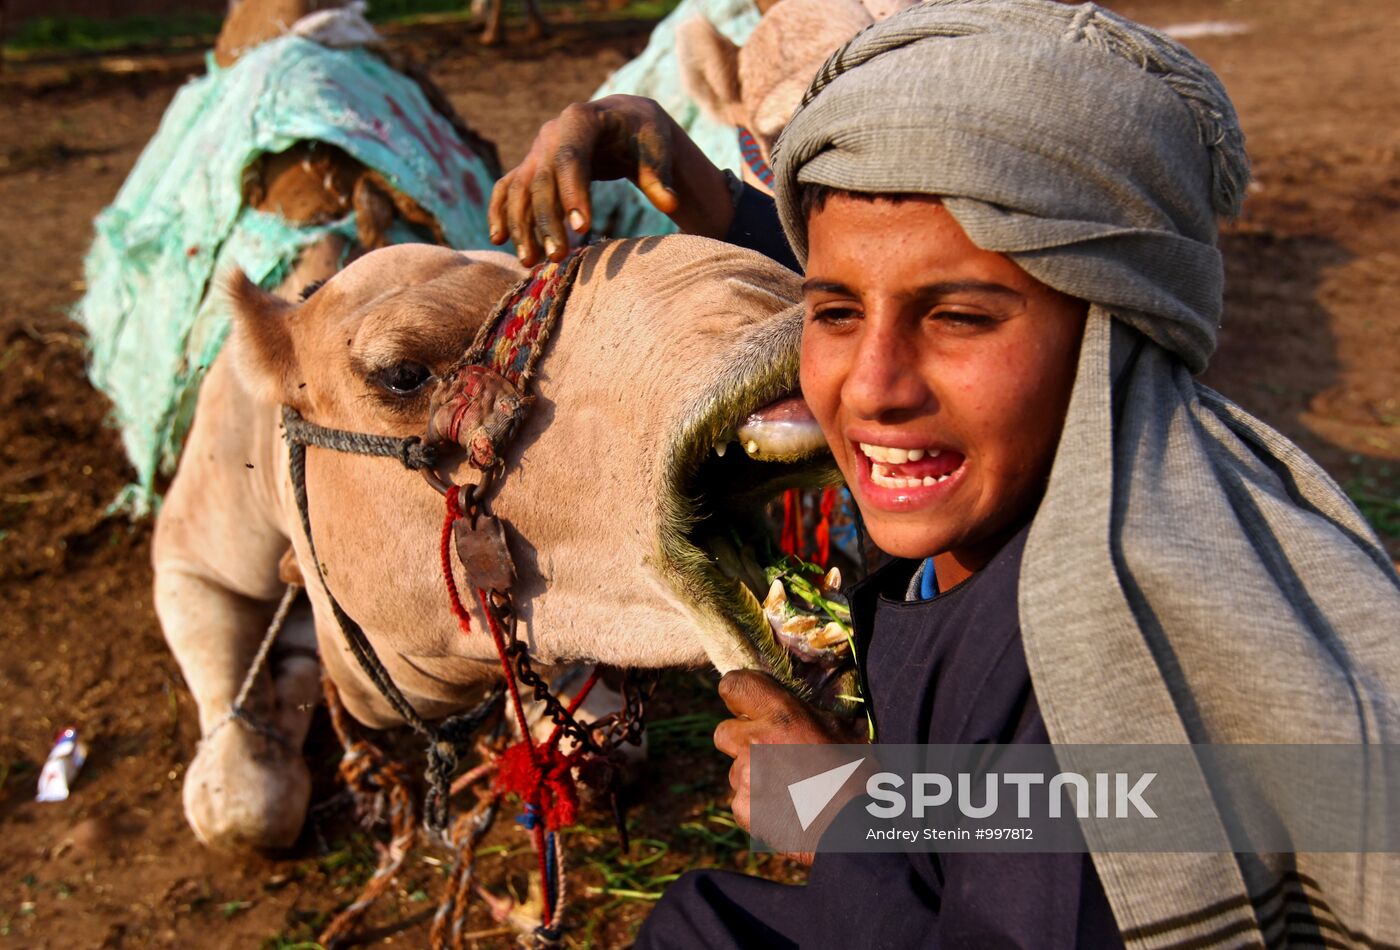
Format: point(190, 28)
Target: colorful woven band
point(753, 156)
point(512, 339)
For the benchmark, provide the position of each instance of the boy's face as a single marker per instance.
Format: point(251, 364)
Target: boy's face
point(939, 373)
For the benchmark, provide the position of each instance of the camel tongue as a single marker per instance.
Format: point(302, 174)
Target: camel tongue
point(782, 431)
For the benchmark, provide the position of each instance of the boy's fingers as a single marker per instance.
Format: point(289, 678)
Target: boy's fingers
point(496, 211)
point(754, 695)
point(518, 221)
point(731, 736)
point(548, 224)
point(573, 163)
point(654, 171)
point(739, 773)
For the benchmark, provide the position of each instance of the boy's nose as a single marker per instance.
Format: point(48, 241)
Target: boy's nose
point(885, 378)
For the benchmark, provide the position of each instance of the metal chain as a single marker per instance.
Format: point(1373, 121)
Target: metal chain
point(627, 725)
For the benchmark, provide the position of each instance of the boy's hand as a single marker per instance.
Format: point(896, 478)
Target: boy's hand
point(765, 714)
point(615, 137)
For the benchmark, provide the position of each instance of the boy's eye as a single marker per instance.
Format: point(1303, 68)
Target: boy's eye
point(834, 314)
point(963, 319)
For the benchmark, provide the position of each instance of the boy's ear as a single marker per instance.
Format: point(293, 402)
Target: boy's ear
point(709, 69)
point(261, 343)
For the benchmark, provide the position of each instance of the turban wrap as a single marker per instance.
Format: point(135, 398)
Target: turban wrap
point(1190, 575)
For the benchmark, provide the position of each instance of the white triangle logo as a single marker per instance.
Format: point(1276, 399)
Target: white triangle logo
point(811, 795)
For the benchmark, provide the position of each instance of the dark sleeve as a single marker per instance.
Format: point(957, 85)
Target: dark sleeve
point(756, 227)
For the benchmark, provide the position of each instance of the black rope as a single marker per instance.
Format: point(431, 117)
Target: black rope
point(411, 452)
point(445, 740)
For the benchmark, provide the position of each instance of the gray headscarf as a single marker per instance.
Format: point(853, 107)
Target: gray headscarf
point(1190, 575)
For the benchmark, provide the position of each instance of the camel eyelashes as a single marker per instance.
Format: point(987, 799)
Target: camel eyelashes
point(406, 378)
point(310, 289)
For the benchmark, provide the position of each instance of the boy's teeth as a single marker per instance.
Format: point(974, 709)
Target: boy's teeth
point(893, 456)
point(882, 476)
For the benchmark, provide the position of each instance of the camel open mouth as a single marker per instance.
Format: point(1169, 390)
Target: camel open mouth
point(748, 440)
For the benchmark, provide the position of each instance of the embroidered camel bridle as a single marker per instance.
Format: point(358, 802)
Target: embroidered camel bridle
point(477, 406)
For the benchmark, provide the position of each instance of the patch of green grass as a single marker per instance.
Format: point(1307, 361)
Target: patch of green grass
point(231, 908)
point(81, 34)
point(86, 34)
point(715, 833)
point(282, 943)
point(1376, 495)
point(691, 732)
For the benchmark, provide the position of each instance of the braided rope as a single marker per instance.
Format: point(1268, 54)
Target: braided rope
point(238, 710)
point(411, 451)
point(467, 832)
point(379, 787)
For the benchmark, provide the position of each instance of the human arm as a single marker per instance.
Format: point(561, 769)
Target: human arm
point(535, 204)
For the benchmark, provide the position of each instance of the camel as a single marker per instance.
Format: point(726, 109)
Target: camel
point(758, 86)
point(623, 519)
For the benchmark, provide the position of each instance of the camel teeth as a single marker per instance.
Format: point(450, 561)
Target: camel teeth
point(777, 596)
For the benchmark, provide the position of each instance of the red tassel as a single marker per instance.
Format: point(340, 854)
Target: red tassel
point(542, 776)
point(791, 539)
point(823, 531)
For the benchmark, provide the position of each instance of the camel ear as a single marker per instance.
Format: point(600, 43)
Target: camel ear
point(709, 69)
point(261, 343)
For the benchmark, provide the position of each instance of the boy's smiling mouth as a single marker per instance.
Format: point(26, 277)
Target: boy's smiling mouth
point(897, 478)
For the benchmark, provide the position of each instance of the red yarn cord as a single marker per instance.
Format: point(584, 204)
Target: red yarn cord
point(546, 770)
point(791, 539)
point(464, 619)
point(823, 532)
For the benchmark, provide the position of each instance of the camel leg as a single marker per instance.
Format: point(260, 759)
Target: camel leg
point(243, 789)
point(536, 28)
point(494, 31)
point(217, 549)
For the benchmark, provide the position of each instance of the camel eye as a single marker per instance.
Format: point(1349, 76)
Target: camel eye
point(403, 379)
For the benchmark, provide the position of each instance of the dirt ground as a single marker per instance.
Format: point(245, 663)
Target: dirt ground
point(1311, 342)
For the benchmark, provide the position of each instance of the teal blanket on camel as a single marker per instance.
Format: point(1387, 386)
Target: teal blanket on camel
point(179, 223)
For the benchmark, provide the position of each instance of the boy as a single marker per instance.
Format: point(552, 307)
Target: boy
point(1006, 210)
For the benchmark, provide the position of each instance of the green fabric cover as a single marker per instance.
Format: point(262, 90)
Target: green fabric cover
point(619, 209)
point(179, 222)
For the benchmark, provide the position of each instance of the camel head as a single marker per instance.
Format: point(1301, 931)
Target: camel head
point(635, 542)
point(758, 86)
